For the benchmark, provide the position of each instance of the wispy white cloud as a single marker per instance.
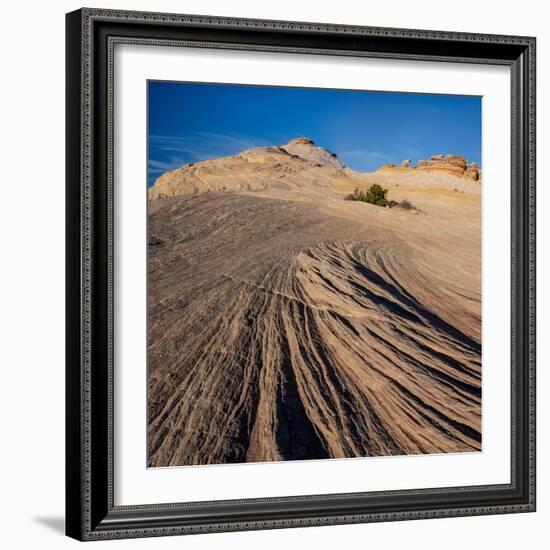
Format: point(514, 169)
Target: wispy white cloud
point(170, 152)
point(364, 159)
point(362, 153)
point(156, 165)
point(202, 145)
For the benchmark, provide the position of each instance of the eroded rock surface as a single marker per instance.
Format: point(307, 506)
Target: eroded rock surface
point(455, 165)
point(288, 323)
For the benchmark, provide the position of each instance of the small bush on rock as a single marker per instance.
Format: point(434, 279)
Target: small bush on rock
point(375, 194)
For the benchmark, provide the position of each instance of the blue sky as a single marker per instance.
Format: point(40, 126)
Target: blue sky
point(190, 122)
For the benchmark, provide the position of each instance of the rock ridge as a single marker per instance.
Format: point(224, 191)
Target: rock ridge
point(456, 165)
point(298, 163)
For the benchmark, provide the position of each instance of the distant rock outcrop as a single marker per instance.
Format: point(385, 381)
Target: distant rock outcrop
point(452, 164)
point(298, 163)
point(473, 171)
point(455, 165)
point(405, 166)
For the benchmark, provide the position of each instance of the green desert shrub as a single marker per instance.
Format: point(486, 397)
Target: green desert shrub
point(375, 194)
point(356, 196)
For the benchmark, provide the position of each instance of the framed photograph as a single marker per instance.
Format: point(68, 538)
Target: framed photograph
point(300, 274)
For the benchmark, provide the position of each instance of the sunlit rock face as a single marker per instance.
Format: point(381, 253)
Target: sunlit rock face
point(286, 322)
point(455, 165)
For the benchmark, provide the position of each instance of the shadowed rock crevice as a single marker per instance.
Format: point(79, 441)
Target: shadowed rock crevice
point(296, 437)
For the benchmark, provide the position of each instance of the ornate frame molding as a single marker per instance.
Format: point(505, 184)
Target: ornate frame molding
point(91, 36)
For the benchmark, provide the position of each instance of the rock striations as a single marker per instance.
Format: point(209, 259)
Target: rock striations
point(300, 162)
point(286, 323)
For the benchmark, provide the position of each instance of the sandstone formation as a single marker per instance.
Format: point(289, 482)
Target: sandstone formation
point(472, 171)
point(299, 163)
point(450, 164)
point(285, 322)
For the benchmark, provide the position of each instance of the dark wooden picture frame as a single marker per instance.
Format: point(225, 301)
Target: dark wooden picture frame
point(90, 510)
